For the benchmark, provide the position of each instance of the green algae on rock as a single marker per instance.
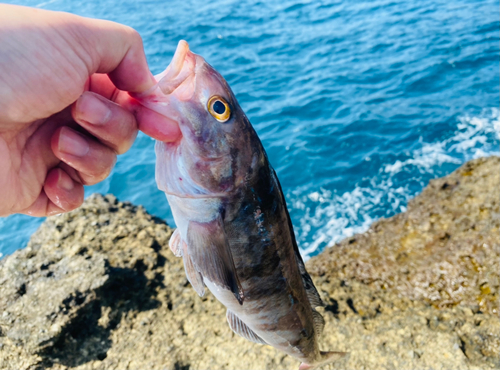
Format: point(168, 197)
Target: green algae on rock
point(98, 288)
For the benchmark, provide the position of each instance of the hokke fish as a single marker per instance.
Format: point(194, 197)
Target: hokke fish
point(233, 228)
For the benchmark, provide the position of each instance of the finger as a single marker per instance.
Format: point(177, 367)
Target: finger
point(157, 126)
point(59, 194)
point(93, 160)
point(151, 123)
point(111, 124)
point(62, 191)
point(117, 50)
point(70, 171)
point(100, 83)
point(50, 56)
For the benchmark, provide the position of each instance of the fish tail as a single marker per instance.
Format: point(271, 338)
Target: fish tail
point(325, 358)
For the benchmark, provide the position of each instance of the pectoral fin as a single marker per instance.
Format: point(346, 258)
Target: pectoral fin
point(175, 243)
point(240, 328)
point(179, 249)
point(211, 255)
point(194, 277)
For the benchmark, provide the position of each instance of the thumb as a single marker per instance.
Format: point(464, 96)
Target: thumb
point(117, 50)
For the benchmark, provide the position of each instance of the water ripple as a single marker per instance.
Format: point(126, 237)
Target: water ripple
point(358, 104)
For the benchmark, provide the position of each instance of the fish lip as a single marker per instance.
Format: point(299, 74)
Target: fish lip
point(170, 79)
point(182, 68)
point(175, 66)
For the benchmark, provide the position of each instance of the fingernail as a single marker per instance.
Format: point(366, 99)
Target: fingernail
point(70, 142)
point(91, 109)
point(65, 181)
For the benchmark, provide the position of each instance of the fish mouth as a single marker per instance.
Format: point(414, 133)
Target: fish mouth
point(179, 77)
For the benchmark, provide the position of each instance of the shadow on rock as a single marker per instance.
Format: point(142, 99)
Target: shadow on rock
point(86, 338)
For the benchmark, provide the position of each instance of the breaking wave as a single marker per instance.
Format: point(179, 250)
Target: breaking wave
point(324, 217)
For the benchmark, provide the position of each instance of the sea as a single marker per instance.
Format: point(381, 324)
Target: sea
point(358, 103)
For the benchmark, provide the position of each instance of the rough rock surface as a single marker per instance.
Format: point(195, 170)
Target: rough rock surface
point(98, 288)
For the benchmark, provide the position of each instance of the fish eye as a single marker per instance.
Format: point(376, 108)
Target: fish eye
point(219, 108)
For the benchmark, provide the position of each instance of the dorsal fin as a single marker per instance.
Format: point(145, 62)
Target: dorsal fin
point(240, 328)
point(313, 297)
point(319, 322)
point(312, 292)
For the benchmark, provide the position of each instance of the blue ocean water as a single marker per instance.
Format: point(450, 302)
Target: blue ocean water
point(358, 103)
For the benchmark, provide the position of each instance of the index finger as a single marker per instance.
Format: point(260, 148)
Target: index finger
point(153, 124)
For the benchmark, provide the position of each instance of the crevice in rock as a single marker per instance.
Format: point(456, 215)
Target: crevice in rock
point(333, 307)
point(350, 303)
point(180, 366)
point(462, 347)
point(22, 290)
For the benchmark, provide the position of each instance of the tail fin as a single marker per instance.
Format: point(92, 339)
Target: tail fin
point(326, 358)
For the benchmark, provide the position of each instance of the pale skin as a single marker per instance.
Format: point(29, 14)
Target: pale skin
point(65, 110)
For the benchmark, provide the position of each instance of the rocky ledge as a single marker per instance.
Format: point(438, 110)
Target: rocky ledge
point(98, 288)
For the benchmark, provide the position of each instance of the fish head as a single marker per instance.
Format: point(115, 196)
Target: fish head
point(218, 146)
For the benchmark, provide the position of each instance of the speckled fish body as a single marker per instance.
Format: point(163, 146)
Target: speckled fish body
point(233, 228)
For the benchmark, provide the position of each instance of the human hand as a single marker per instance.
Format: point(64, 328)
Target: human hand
point(64, 108)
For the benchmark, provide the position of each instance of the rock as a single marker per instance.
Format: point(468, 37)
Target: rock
point(98, 288)
point(421, 289)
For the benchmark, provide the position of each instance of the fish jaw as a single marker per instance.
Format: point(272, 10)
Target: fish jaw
point(202, 161)
point(175, 83)
point(178, 79)
point(202, 144)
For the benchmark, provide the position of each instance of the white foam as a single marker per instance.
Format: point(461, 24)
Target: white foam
point(472, 139)
point(424, 158)
point(327, 217)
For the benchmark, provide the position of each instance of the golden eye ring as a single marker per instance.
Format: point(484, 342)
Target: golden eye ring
point(219, 108)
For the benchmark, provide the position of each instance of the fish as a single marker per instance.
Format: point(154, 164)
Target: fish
point(234, 231)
